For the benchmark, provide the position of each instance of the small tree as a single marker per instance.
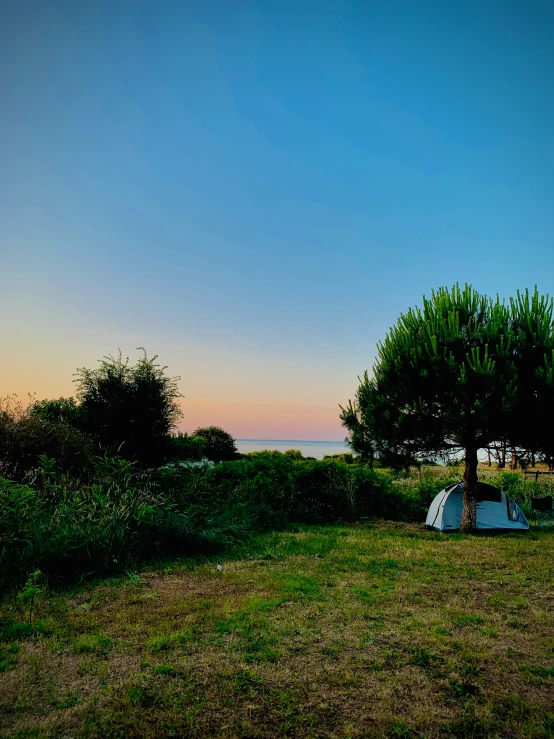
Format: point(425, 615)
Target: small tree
point(220, 446)
point(446, 380)
point(129, 407)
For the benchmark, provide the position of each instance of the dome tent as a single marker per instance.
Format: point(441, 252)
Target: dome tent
point(495, 510)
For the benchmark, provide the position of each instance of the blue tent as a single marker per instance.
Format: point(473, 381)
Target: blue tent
point(495, 510)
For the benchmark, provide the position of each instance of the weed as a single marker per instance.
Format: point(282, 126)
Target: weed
point(67, 702)
point(422, 657)
point(92, 644)
point(140, 696)
point(17, 630)
point(245, 680)
point(134, 578)
point(467, 619)
point(169, 671)
point(399, 729)
point(30, 592)
point(8, 654)
point(461, 690)
point(364, 595)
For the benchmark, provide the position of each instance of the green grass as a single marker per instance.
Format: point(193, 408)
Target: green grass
point(339, 631)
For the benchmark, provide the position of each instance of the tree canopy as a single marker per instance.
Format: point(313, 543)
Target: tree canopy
point(456, 375)
point(130, 408)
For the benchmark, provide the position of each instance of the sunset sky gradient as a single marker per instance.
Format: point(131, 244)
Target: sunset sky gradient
point(255, 190)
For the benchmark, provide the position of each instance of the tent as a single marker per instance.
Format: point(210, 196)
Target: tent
point(495, 510)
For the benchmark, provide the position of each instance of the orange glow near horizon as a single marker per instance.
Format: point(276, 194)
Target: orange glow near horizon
point(264, 420)
point(243, 420)
point(298, 408)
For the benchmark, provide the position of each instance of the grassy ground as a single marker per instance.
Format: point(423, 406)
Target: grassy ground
point(338, 631)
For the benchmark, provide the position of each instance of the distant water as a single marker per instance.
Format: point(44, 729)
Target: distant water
point(317, 449)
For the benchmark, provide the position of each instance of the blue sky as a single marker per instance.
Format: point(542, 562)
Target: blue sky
point(256, 190)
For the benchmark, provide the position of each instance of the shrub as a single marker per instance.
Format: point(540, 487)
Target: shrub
point(21, 529)
point(346, 457)
point(219, 445)
point(417, 499)
point(62, 410)
point(130, 408)
point(324, 491)
point(288, 489)
point(510, 482)
point(294, 454)
point(185, 447)
point(25, 437)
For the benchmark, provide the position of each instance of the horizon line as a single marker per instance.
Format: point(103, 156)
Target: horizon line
point(301, 441)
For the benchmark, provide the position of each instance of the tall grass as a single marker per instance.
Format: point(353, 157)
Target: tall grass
point(70, 530)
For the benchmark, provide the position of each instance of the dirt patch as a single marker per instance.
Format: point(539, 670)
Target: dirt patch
point(185, 586)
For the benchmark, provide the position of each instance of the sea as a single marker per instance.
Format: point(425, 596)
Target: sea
point(317, 449)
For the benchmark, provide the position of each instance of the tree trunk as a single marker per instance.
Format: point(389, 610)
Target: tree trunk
point(469, 512)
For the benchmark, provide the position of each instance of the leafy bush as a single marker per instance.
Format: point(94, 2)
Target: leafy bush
point(219, 445)
point(24, 437)
point(185, 447)
point(62, 410)
point(346, 457)
point(289, 489)
point(510, 482)
point(294, 454)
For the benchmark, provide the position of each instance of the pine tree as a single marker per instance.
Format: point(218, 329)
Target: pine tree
point(456, 375)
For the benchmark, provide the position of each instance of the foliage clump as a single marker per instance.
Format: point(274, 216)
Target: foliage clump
point(219, 445)
point(185, 447)
point(26, 435)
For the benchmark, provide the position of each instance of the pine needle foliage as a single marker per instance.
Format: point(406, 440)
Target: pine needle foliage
point(532, 324)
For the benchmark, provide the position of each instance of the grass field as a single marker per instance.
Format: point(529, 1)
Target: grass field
point(346, 631)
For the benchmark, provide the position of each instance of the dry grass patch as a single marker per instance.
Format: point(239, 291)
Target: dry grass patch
point(335, 631)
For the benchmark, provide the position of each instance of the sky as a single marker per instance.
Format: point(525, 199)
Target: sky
point(254, 191)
